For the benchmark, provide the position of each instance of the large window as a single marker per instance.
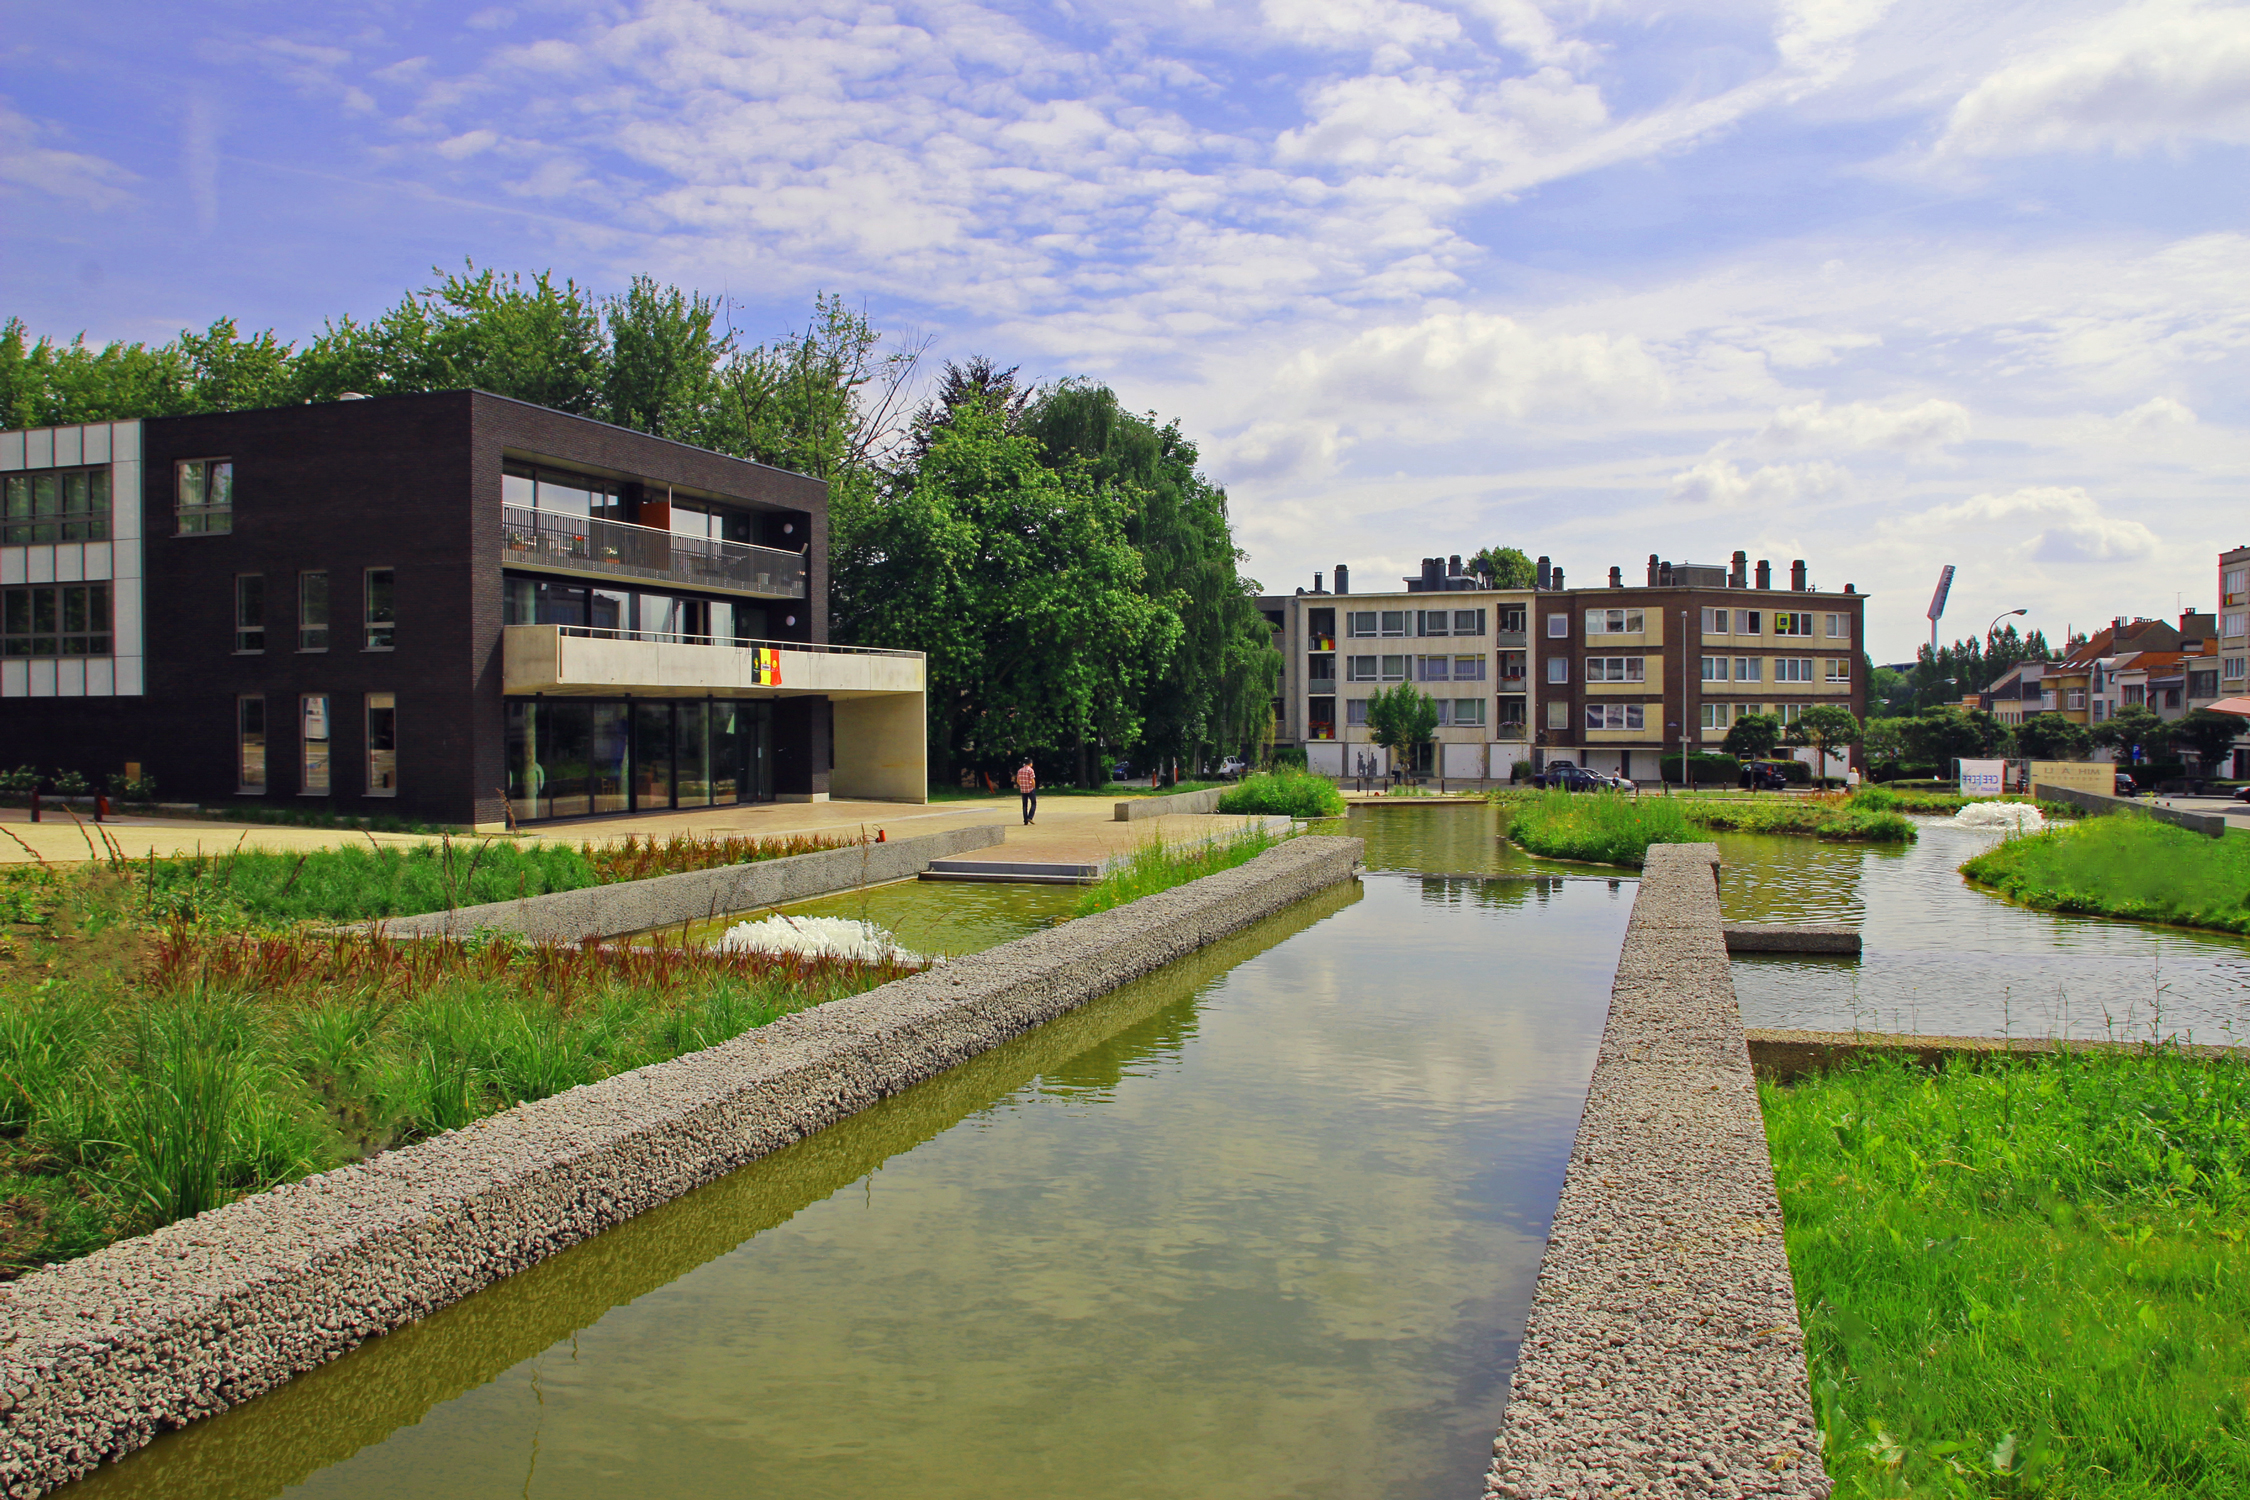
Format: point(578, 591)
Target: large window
point(1787, 622)
point(1792, 668)
point(1616, 668)
point(1558, 669)
point(60, 505)
point(1558, 627)
point(382, 744)
point(527, 487)
point(382, 613)
point(1450, 621)
point(1449, 668)
point(2233, 625)
point(203, 496)
point(250, 744)
point(1839, 669)
point(1512, 618)
point(1715, 622)
point(1558, 715)
point(1746, 621)
point(249, 612)
point(1714, 669)
point(1355, 712)
point(1839, 627)
point(1614, 622)
point(65, 619)
point(1614, 716)
point(312, 737)
point(1461, 713)
point(312, 611)
point(1749, 669)
point(1715, 716)
point(2232, 586)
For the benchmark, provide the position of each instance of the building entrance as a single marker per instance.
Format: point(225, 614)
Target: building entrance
point(580, 757)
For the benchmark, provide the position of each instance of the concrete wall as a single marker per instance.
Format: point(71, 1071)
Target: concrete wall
point(637, 905)
point(1788, 1055)
point(105, 1352)
point(1663, 1354)
point(882, 749)
point(541, 659)
point(2208, 824)
point(1133, 809)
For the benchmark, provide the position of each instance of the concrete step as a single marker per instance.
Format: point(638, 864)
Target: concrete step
point(1767, 937)
point(1020, 872)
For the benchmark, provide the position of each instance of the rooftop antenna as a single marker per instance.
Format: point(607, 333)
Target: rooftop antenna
point(1937, 603)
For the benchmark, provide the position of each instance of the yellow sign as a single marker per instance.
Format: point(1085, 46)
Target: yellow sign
point(2078, 775)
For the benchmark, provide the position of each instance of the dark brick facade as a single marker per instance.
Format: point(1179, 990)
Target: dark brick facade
point(409, 483)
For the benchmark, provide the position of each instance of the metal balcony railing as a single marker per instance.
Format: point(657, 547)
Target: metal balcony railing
point(675, 638)
point(1512, 637)
point(542, 538)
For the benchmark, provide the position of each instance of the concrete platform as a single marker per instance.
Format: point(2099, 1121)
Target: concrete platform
point(1013, 872)
point(1767, 937)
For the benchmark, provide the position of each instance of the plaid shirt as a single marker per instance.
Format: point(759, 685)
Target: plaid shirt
point(1027, 780)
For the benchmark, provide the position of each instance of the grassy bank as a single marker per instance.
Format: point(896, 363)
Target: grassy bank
point(1157, 866)
point(2125, 866)
point(1286, 792)
point(349, 883)
point(152, 1069)
point(1808, 816)
point(1911, 800)
point(1600, 827)
point(2025, 1278)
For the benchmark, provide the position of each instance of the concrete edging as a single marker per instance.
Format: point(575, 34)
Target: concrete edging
point(2094, 802)
point(1133, 809)
point(1787, 1055)
point(105, 1352)
point(1663, 1354)
point(636, 905)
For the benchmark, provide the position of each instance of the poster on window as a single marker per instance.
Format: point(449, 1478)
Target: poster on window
point(1983, 778)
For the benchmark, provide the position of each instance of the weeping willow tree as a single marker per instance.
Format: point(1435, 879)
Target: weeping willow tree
point(1214, 693)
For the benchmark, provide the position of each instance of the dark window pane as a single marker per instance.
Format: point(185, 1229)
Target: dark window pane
point(381, 619)
point(652, 755)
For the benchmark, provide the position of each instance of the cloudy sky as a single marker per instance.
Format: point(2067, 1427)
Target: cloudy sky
point(1879, 285)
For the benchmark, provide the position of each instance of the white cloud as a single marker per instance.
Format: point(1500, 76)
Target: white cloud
point(2156, 74)
point(1716, 481)
point(1932, 423)
point(2040, 523)
point(73, 176)
point(1467, 362)
point(2156, 414)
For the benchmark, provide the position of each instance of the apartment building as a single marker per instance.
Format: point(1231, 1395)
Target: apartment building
point(1449, 632)
point(2232, 642)
point(1604, 677)
point(454, 607)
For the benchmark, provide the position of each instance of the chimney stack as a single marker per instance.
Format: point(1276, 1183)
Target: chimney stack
point(1740, 578)
point(1453, 566)
point(1664, 574)
point(1617, 578)
point(1316, 588)
point(1546, 574)
point(1765, 574)
point(1343, 579)
point(1652, 570)
point(1851, 588)
point(1797, 575)
point(1558, 580)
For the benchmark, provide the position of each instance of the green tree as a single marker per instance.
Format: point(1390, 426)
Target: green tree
point(1943, 735)
point(1825, 726)
point(2052, 737)
point(2208, 735)
point(828, 401)
point(2133, 730)
point(1401, 719)
point(1507, 567)
point(665, 348)
point(1883, 743)
point(1752, 737)
point(1021, 586)
point(1889, 691)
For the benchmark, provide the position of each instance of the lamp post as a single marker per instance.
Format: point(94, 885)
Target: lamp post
point(1996, 619)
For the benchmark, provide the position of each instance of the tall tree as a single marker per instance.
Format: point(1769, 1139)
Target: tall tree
point(2134, 730)
point(1752, 737)
point(2052, 737)
point(1401, 719)
point(1507, 567)
point(2208, 736)
point(1824, 727)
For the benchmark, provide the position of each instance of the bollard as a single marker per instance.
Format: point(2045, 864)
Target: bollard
point(101, 808)
point(35, 804)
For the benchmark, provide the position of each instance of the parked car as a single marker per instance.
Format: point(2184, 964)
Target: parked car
point(1624, 783)
point(1232, 767)
point(2126, 786)
point(1122, 771)
point(2242, 794)
point(1764, 776)
point(1549, 776)
point(1571, 778)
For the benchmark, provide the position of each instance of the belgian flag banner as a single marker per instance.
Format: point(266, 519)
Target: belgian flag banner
point(765, 666)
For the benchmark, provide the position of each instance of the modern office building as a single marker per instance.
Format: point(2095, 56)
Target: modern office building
point(454, 607)
point(1603, 676)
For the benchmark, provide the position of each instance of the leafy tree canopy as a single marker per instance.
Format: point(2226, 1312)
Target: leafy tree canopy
point(1401, 718)
point(1507, 567)
point(1752, 737)
point(2052, 737)
point(2208, 735)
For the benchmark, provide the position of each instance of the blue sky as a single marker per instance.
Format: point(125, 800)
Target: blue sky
point(1879, 285)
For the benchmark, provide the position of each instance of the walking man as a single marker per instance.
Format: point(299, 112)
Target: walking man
point(1027, 782)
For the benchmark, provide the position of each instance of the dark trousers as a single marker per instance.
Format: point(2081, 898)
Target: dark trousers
point(1030, 805)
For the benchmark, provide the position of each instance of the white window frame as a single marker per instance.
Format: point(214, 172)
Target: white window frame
point(1715, 669)
point(1617, 669)
point(1839, 669)
point(1792, 623)
point(1715, 716)
point(1558, 669)
point(1839, 627)
point(1352, 619)
point(1616, 622)
point(1714, 622)
point(1615, 716)
point(1468, 668)
point(1558, 627)
point(1749, 669)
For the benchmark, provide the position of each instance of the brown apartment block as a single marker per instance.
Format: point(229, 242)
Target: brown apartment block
point(453, 607)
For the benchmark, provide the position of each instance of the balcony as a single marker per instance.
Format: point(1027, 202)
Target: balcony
point(577, 660)
point(554, 542)
point(1513, 637)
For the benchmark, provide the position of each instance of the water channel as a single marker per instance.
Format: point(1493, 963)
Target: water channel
point(1266, 1223)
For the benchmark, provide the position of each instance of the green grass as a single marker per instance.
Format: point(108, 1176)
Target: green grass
point(1891, 799)
point(2125, 865)
point(2025, 1278)
point(1297, 794)
point(1821, 820)
point(1157, 866)
point(1607, 828)
point(349, 883)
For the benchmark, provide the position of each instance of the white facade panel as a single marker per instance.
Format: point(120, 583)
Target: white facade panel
point(101, 677)
point(38, 565)
point(70, 677)
point(98, 560)
point(125, 500)
point(11, 451)
point(39, 448)
point(70, 447)
point(1464, 761)
point(42, 679)
point(15, 679)
point(125, 617)
point(128, 677)
point(124, 442)
point(125, 559)
point(70, 562)
point(97, 443)
point(1324, 758)
point(12, 564)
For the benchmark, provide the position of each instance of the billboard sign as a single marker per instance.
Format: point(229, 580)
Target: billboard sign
point(1983, 778)
point(2097, 776)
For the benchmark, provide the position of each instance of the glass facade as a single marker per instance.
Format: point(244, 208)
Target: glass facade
point(666, 615)
point(578, 757)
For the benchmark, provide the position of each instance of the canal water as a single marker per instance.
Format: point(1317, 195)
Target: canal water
point(1266, 1223)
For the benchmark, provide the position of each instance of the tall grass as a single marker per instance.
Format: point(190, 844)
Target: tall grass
point(2125, 865)
point(1801, 815)
point(1157, 866)
point(1284, 791)
point(1600, 827)
point(2024, 1278)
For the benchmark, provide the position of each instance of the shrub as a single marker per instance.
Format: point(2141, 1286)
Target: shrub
point(1299, 794)
point(1522, 770)
point(1707, 769)
point(1600, 827)
point(1292, 756)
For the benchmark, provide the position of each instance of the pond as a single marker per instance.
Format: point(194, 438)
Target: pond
point(1267, 1222)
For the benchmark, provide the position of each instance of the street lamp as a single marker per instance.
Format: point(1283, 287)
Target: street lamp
point(1996, 619)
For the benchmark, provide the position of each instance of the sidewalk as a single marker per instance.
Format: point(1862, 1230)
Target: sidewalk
point(1070, 830)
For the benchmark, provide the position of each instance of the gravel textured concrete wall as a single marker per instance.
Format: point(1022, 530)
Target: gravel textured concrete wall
point(1133, 809)
point(637, 905)
point(103, 1353)
point(1785, 1055)
point(2208, 824)
point(1663, 1354)
point(1775, 937)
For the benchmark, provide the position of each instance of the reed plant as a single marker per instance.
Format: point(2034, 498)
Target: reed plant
point(1284, 791)
point(1606, 828)
point(2024, 1277)
point(2125, 865)
point(1158, 866)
